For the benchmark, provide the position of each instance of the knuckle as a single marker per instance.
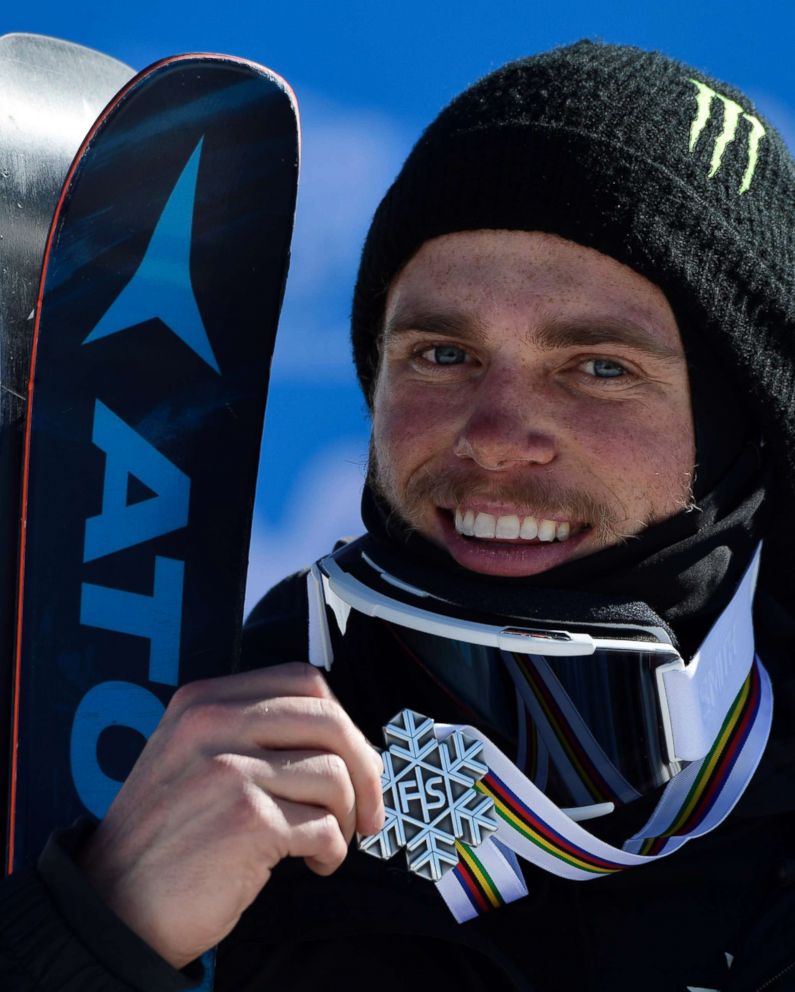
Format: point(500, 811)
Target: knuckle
point(197, 720)
point(337, 850)
point(335, 768)
point(313, 681)
point(184, 697)
point(246, 811)
point(328, 834)
point(328, 710)
point(224, 770)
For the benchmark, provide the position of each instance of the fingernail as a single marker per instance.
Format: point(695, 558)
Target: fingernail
point(377, 821)
point(379, 761)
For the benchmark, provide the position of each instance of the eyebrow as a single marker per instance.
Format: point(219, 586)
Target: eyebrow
point(599, 331)
point(455, 323)
point(553, 335)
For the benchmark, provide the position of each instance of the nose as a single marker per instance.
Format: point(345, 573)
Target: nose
point(507, 428)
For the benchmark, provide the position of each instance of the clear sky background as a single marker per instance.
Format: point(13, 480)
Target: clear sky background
point(368, 77)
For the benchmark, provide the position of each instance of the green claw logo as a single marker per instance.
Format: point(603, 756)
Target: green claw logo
point(732, 113)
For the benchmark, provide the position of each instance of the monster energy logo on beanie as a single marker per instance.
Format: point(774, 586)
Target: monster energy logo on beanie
point(732, 112)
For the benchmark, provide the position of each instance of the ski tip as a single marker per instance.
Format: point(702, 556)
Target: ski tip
point(30, 48)
point(218, 57)
point(210, 57)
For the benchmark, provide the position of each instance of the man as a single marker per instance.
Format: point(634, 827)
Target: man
point(573, 321)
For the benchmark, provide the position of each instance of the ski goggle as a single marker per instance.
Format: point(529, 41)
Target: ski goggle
point(607, 712)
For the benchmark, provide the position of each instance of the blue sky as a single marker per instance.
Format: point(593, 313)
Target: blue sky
point(368, 77)
point(408, 58)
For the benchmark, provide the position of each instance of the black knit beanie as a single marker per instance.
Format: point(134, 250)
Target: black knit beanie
point(646, 160)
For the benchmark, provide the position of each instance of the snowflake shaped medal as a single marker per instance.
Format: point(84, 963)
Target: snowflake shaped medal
point(430, 800)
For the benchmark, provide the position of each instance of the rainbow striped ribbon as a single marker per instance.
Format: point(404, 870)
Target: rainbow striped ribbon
point(489, 876)
point(704, 783)
point(532, 826)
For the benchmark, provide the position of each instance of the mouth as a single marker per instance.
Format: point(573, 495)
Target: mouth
point(495, 541)
point(512, 527)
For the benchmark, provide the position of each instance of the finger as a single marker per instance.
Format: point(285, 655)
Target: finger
point(313, 834)
point(210, 725)
point(201, 717)
point(295, 678)
point(314, 778)
point(307, 723)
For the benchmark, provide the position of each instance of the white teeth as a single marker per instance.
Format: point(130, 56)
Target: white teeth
point(546, 530)
point(507, 528)
point(465, 523)
point(510, 527)
point(485, 525)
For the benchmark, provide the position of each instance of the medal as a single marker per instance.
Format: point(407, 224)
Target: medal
point(430, 797)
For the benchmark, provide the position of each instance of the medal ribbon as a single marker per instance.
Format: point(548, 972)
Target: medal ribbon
point(717, 711)
point(532, 826)
point(733, 708)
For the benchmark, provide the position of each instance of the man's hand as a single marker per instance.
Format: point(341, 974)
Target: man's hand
point(241, 772)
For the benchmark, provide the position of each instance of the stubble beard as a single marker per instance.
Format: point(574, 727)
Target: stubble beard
point(533, 495)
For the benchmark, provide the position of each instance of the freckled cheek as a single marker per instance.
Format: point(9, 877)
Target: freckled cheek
point(411, 427)
point(640, 443)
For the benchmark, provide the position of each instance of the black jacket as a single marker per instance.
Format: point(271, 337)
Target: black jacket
point(719, 914)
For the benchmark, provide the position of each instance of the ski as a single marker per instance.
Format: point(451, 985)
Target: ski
point(52, 92)
point(162, 283)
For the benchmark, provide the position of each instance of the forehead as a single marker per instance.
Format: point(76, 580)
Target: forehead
point(529, 279)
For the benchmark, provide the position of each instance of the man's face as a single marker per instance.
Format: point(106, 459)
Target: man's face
point(532, 401)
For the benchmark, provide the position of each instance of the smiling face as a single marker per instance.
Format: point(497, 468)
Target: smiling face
point(532, 402)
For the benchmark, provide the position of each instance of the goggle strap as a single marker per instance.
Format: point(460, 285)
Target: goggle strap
point(320, 651)
point(588, 772)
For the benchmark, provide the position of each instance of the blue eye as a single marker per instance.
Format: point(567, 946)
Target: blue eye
point(603, 368)
point(447, 354)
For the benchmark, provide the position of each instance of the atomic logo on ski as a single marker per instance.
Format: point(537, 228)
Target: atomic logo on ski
point(148, 294)
point(123, 525)
point(160, 287)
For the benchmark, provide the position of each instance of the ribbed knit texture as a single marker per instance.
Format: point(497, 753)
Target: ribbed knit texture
point(592, 142)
